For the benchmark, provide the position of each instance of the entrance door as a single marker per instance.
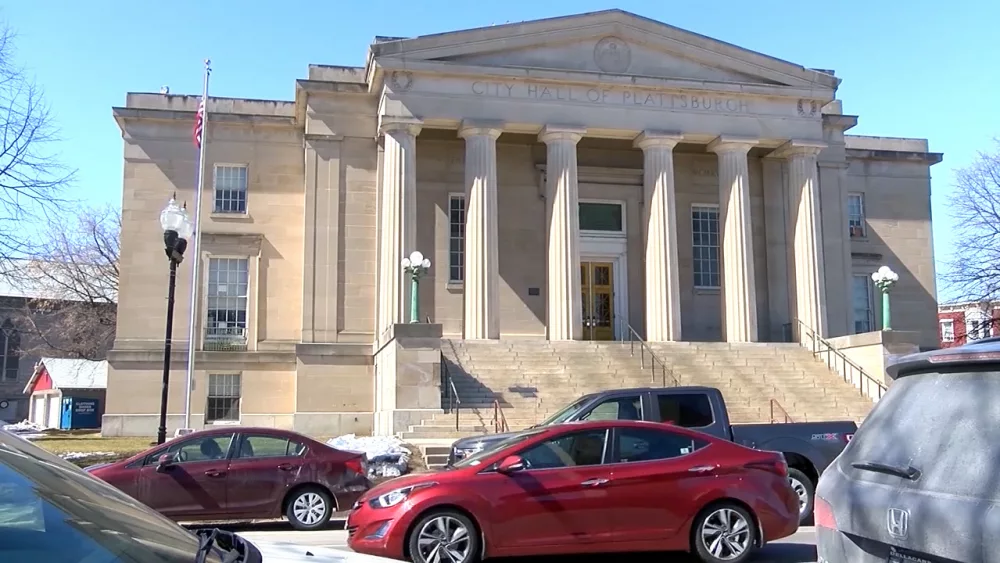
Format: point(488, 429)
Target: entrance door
point(598, 300)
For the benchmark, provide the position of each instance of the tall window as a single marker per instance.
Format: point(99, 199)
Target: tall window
point(456, 238)
point(228, 289)
point(223, 397)
point(864, 317)
point(978, 324)
point(230, 188)
point(705, 234)
point(856, 215)
point(947, 330)
point(10, 344)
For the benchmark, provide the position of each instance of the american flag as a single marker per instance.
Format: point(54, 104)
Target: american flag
point(199, 123)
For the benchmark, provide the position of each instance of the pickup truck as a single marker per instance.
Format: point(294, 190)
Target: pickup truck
point(808, 447)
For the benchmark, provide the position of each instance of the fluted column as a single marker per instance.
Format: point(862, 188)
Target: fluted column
point(663, 286)
point(564, 307)
point(398, 212)
point(482, 248)
point(810, 279)
point(739, 290)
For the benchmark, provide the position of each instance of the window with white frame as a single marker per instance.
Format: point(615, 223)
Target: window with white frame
point(947, 330)
point(456, 238)
point(705, 245)
point(864, 315)
point(230, 188)
point(223, 397)
point(978, 324)
point(856, 215)
point(10, 344)
point(228, 294)
point(601, 217)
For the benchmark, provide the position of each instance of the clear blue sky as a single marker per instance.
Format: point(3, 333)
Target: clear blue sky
point(910, 68)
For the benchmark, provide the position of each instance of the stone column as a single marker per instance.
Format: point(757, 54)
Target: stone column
point(663, 286)
point(739, 289)
point(803, 188)
point(482, 249)
point(563, 300)
point(398, 210)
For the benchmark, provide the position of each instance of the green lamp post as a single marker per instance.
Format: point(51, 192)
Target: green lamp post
point(415, 267)
point(884, 279)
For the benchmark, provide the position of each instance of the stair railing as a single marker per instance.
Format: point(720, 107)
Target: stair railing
point(448, 383)
point(821, 348)
point(499, 420)
point(778, 411)
point(646, 355)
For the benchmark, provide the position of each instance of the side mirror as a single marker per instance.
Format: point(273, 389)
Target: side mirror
point(511, 464)
point(164, 462)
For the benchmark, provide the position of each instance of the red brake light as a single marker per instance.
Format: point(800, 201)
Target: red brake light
point(973, 356)
point(823, 514)
point(357, 465)
point(776, 466)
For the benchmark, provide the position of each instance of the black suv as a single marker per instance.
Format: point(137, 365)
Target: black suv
point(920, 481)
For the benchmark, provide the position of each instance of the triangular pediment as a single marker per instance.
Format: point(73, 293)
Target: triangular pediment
point(613, 42)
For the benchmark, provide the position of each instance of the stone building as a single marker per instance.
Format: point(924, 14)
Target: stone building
point(568, 178)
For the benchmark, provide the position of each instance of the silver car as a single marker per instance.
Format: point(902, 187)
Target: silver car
point(920, 481)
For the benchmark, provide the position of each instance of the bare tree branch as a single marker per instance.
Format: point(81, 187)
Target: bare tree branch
point(974, 271)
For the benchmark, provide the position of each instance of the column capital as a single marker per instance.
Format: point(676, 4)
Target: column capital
point(732, 143)
point(552, 133)
point(473, 128)
point(409, 125)
point(651, 139)
point(797, 147)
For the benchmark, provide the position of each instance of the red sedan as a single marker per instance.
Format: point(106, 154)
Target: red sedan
point(237, 473)
point(606, 486)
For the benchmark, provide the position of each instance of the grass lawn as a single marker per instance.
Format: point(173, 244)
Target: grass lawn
point(90, 442)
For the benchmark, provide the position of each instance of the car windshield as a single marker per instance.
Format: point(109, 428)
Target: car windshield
point(566, 413)
point(51, 510)
point(934, 432)
point(477, 458)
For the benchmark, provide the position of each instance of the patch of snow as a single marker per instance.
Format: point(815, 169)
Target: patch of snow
point(70, 456)
point(386, 455)
point(25, 429)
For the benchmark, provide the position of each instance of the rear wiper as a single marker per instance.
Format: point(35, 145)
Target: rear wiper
point(906, 472)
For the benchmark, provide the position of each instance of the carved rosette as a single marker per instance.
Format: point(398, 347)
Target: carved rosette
point(613, 55)
point(401, 80)
point(808, 108)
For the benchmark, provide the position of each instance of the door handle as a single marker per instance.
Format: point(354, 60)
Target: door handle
point(702, 469)
point(215, 473)
point(286, 467)
point(593, 482)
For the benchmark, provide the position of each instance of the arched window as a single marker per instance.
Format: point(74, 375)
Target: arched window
point(10, 346)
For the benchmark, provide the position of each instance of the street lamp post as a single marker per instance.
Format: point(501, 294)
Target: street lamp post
point(177, 229)
point(884, 279)
point(415, 266)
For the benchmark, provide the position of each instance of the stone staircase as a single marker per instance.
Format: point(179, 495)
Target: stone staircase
point(533, 379)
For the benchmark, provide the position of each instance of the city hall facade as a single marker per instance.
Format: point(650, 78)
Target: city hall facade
point(569, 179)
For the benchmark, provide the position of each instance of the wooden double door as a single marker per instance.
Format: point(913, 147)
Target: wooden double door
point(598, 287)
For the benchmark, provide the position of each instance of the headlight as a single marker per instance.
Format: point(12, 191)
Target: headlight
point(392, 498)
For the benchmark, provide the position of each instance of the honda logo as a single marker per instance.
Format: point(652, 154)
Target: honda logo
point(898, 522)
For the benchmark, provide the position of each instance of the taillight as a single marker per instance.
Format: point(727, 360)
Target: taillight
point(357, 465)
point(776, 466)
point(823, 514)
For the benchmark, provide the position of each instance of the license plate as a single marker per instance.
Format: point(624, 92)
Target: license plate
point(903, 556)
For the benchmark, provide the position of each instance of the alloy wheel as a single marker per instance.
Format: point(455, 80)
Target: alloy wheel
point(309, 508)
point(444, 539)
point(726, 534)
point(800, 491)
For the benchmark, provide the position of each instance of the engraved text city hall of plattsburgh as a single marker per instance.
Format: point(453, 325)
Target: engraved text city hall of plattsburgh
point(570, 179)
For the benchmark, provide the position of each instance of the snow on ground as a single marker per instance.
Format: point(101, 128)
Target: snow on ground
point(25, 429)
point(71, 456)
point(385, 454)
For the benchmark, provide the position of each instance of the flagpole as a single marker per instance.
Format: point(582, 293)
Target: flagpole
point(196, 252)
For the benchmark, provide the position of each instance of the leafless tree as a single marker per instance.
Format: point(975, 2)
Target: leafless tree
point(974, 271)
point(32, 180)
point(72, 280)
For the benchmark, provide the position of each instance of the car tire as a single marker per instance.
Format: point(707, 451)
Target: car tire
point(804, 489)
point(433, 530)
point(721, 531)
point(309, 508)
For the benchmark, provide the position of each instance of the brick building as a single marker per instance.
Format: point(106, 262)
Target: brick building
point(959, 323)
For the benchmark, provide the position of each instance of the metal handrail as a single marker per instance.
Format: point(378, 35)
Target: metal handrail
point(454, 401)
point(776, 408)
point(499, 420)
point(849, 367)
point(644, 348)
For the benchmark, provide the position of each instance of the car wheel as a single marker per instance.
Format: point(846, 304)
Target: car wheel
point(724, 533)
point(444, 537)
point(803, 488)
point(309, 509)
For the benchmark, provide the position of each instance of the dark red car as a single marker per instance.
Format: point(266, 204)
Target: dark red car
point(605, 486)
point(237, 473)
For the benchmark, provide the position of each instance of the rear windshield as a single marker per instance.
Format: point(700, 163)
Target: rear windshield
point(944, 425)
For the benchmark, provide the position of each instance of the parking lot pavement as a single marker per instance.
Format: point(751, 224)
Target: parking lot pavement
point(800, 548)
